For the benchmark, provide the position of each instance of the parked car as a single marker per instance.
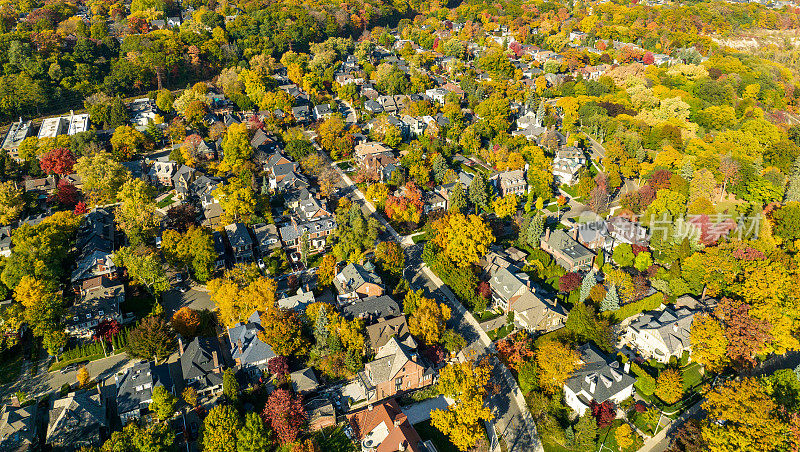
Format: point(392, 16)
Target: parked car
point(179, 277)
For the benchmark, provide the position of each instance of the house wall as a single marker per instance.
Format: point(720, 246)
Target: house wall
point(412, 378)
point(573, 402)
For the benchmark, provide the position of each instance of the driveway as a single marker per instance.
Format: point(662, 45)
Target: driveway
point(195, 298)
point(421, 412)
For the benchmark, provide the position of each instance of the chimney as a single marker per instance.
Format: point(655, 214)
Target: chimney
point(239, 344)
point(15, 401)
point(575, 233)
point(215, 358)
point(627, 367)
point(547, 234)
point(180, 345)
point(369, 407)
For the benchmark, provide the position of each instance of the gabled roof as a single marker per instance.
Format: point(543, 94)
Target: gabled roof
point(202, 360)
point(238, 236)
point(75, 419)
point(304, 380)
point(246, 346)
point(17, 428)
point(386, 425)
point(600, 376)
point(380, 333)
point(135, 386)
point(388, 362)
point(297, 302)
point(354, 276)
point(672, 326)
point(375, 308)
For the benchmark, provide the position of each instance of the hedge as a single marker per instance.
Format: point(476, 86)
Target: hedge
point(637, 307)
point(461, 281)
point(645, 383)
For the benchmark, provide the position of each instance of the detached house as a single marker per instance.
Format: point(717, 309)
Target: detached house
point(370, 148)
point(250, 353)
point(99, 301)
point(532, 311)
point(566, 165)
point(18, 428)
point(267, 238)
point(660, 335)
point(599, 378)
point(76, 421)
point(95, 243)
point(385, 428)
point(317, 229)
point(509, 182)
point(135, 388)
point(566, 250)
point(355, 281)
point(395, 370)
point(379, 334)
point(240, 242)
point(201, 365)
point(372, 309)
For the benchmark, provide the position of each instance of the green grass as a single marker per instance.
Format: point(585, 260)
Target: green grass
point(429, 432)
point(344, 166)
point(500, 333)
point(691, 376)
point(10, 369)
point(165, 202)
point(63, 363)
point(421, 237)
point(607, 433)
point(487, 315)
point(333, 439)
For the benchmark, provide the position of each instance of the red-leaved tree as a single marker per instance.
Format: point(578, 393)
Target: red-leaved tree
point(66, 194)
point(516, 349)
point(604, 413)
point(278, 366)
point(106, 330)
point(569, 282)
point(285, 413)
point(57, 161)
point(80, 208)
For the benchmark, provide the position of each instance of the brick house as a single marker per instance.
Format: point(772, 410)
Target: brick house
point(396, 369)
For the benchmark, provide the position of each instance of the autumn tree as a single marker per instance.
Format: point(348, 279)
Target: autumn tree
point(285, 332)
point(429, 321)
point(746, 334)
point(557, 362)
point(506, 206)
point(623, 435)
point(465, 382)
point(152, 338)
point(144, 266)
point(193, 249)
point(163, 404)
point(391, 258)
point(237, 298)
point(669, 386)
point(11, 202)
point(83, 377)
point(58, 161)
point(709, 344)
point(478, 193)
point(237, 149)
point(42, 305)
point(220, 428)
point(254, 436)
point(285, 414)
point(237, 199)
point(127, 142)
point(189, 395)
point(463, 239)
point(101, 176)
point(136, 215)
point(186, 321)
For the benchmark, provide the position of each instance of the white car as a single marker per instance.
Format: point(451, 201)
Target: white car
point(261, 264)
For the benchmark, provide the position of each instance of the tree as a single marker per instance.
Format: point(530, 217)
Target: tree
point(623, 255)
point(604, 413)
point(709, 344)
point(186, 321)
point(189, 396)
point(533, 233)
point(285, 334)
point(136, 216)
point(193, 249)
point(220, 428)
point(458, 200)
point(391, 258)
point(83, 377)
point(55, 341)
point(237, 296)
point(164, 100)
point(66, 194)
point(278, 366)
point(11, 202)
point(589, 281)
point(285, 414)
point(58, 161)
point(429, 321)
point(586, 433)
point(144, 266)
point(230, 386)
point(163, 404)
point(152, 338)
point(669, 386)
point(158, 437)
point(466, 383)
point(478, 192)
point(42, 305)
point(327, 270)
point(464, 239)
point(102, 177)
point(569, 282)
point(787, 219)
point(505, 206)
point(556, 362)
point(623, 436)
point(746, 334)
point(127, 142)
point(237, 199)
point(254, 436)
point(237, 149)
point(610, 301)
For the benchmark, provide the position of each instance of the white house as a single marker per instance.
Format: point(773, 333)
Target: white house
point(566, 165)
point(662, 334)
point(599, 378)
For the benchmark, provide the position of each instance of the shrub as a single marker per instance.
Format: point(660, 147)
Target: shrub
point(645, 383)
point(637, 307)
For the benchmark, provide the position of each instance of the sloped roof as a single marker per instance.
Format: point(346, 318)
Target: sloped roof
point(600, 376)
point(380, 333)
point(388, 415)
point(304, 380)
point(198, 362)
point(75, 418)
point(246, 346)
point(382, 306)
point(388, 361)
point(354, 276)
point(145, 376)
point(672, 326)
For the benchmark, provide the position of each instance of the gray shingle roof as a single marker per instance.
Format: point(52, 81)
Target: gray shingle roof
point(354, 276)
point(135, 387)
point(245, 343)
point(372, 308)
point(75, 419)
point(672, 326)
point(599, 372)
point(198, 362)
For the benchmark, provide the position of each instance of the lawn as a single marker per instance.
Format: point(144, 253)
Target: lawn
point(487, 315)
point(429, 432)
point(165, 202)
point(691, 376)
point(345, 165)
point(333, 439)
point(607, 434)
point(500, 333)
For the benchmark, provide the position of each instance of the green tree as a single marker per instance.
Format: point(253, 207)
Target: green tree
point(163, 404)
point(152, 338)
point(230, 386)
point(136, 216)
point(164, 101)
point(458, 200)
point(254, 435)
point(144, 266)
point(102, 177)
point(220, 429)
point(478, 192)
point(11, 202)
point(586, 432)
point(127, 142)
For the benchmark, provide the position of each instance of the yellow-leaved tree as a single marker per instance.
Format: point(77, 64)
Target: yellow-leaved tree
point(556, 363)
point(237, 300)
point(466, 383)
point(429, 321)
point(463, 239)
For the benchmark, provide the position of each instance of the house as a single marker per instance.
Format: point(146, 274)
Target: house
point(304, 381)
point(533, 311)
point(135, 388)
point(99, 301)
point(370, 148)
point(302, 114)
point(356, 281)
point(509, 182)
point(372, 309)
point(5, 241)
point(16, 134)
point(378, 334)
point(388, 104)
point(76, 421)
point(201, 364)
point(298, 301)
point(52, 127)
point(599, 378)
point(162, 171)
point(373, 107)
point(437, 94)
point(380, 166)
point(396, 369)
point(264, 141)
point(566, 165)
point(95, 242)
point(566, 250)
point(267, 238)
point(141, 112)
point(219, 249)
point(311, 208)
point(249, 352)
point(18, 428)
point(41, 187)
point(322, 112)
point(321, 413)
point(182, 180)
point(593, 235)
point(317, 229)
point(241, 244)
point(623, 230)
point(433, 202)
point(661, 334)
point(414, 125)
point(384, 428)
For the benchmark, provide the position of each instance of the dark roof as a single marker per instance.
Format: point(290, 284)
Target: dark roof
point(135, 387)
point(354, 276)
point(201, 360)
point(245, 343)
point(372, 308)
point(599, 371)
point(238, 236)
